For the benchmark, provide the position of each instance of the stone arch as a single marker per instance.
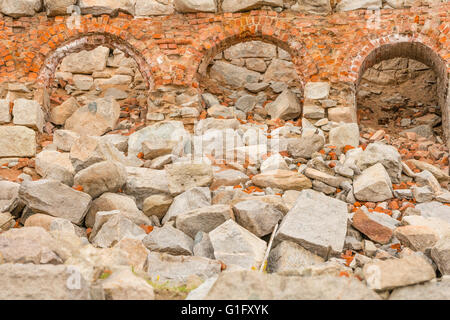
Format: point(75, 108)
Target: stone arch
point(407, 47)
point(294, 48)
point(89, 42)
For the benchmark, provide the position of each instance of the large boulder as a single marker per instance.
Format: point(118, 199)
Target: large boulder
point(106, 176)
point(96, 118)
point(316, 222)
point(42, 282)
point(236, 246)
point(9, 196)
point(17, 141)
point(373, 184)
point(56, 199)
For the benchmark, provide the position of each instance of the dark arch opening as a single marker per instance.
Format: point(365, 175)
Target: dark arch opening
point(423, 54)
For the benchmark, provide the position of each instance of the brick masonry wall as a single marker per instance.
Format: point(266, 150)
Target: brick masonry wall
point(176, 49)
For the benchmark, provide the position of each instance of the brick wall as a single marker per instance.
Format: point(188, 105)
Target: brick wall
point(175, 49)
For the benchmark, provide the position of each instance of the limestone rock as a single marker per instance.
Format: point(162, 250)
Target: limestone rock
point(282, 179)
point(59, 114)
point(94, 60)
point(245, 285)
point(288, 256)
point(432, 290)
point(17, 141)
point(106, 176)
point(125, 285)
point(20, 8)
point(316, 222)
point(237, 246)
point(185, 6)
point(55, 165)
point(5, 115)
point(169, 240)
point(233, 76)
point(441, 255)
point(345, 134)
point(311, 141)
point(99, 7)
point(373, 184)
point(388, 156)
point(236, 5)
point(317, 90)
point(203, 219)
point(418, 238)
point(163, 267)
point(153, 8)
point(42, 282)
point(157, 205)
point(28, 113)
point(258, 217)
point(97, 118)
point(187, 201)
point(56, 199)
point(58, 7)
point(182, 177)
point(30, 245)
point(348, 5)
point(143, 182)
point(285, 107)
point(114, 201)
point(394, 273)
point(115, 229)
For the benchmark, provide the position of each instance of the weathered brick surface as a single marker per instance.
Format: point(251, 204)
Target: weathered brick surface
point(171, 49)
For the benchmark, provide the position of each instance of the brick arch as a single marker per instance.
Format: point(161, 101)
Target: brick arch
point(419, 48)
point(303, 63)
point(90, 41)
